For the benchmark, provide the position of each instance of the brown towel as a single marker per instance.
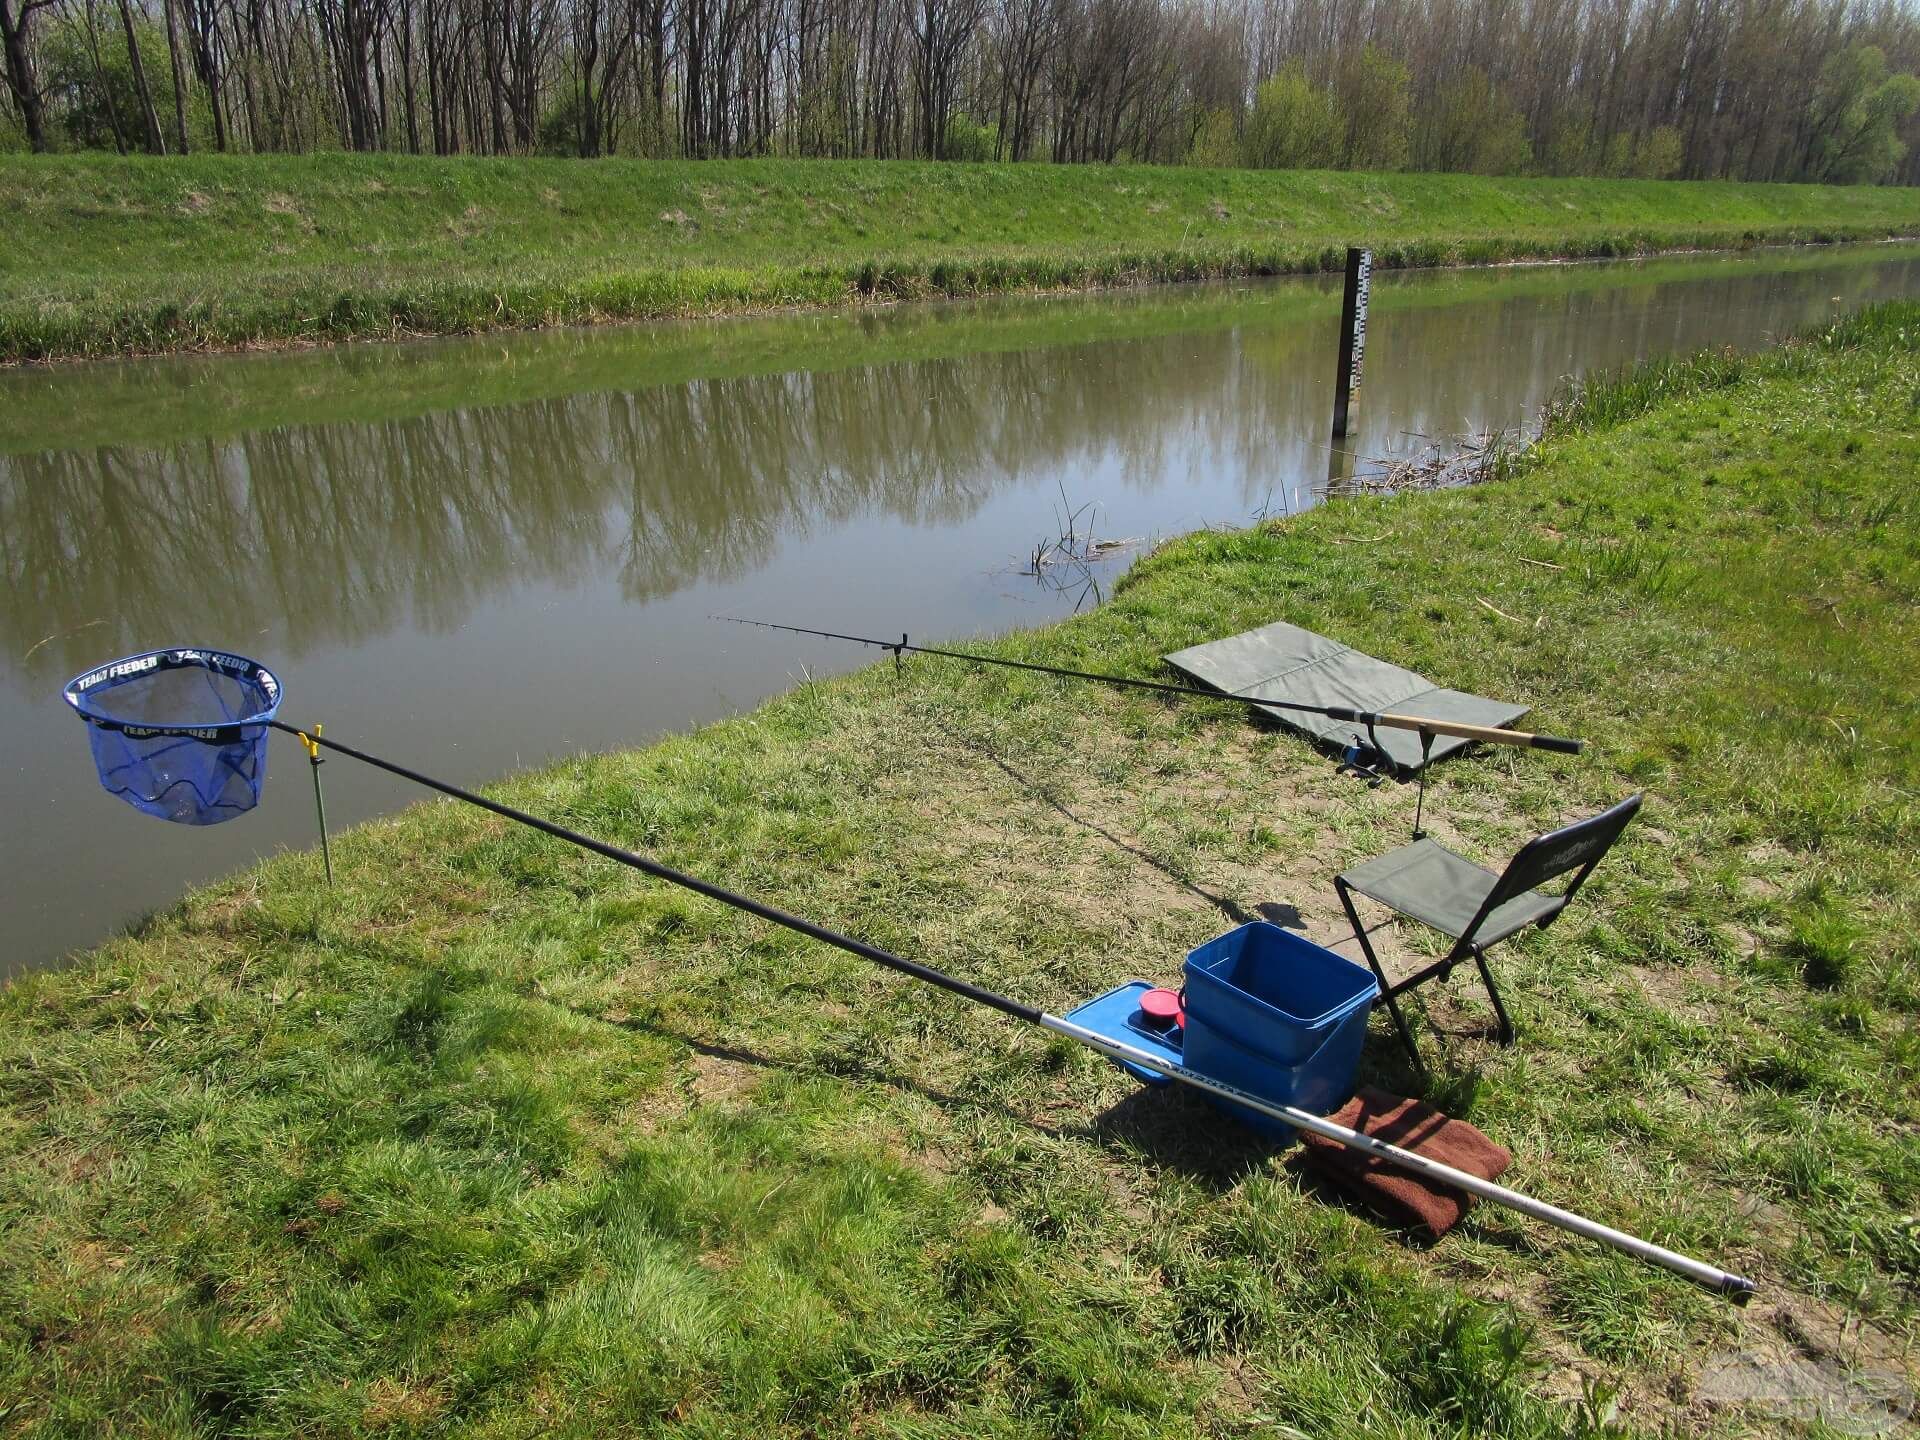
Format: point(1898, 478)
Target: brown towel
point(1400, 1195)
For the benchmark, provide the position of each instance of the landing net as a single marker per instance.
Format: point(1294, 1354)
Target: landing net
point(181, 734)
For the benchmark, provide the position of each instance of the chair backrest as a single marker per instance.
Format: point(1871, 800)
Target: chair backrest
point(1576, 847)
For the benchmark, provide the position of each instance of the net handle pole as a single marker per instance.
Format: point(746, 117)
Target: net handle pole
point(1736, 1288)
point(1492, 735)
point(1733, 1286)
point(647, 866)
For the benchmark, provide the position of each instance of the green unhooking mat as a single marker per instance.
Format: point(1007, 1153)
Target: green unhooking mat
point(1284, 662)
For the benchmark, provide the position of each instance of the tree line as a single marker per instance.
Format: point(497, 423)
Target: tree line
point(1740, 89)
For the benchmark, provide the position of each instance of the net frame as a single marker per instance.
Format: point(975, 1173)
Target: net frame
point(141, 761)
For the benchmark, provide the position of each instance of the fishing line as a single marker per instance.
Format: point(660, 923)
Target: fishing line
point(1422, 724)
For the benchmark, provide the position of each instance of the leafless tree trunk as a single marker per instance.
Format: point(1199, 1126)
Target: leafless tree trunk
point(1712, 87)
point(88, 22)
point(942, 29)
point(16, 26)
point(156, 143)
point(351, 29)
point(179, 76)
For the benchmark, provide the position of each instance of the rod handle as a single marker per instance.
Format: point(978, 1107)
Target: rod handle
point(1559, 744)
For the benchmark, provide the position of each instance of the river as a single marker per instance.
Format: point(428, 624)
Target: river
point(480, 555)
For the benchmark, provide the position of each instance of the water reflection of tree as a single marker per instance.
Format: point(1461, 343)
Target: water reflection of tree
point(339, 532)
point(334, 532)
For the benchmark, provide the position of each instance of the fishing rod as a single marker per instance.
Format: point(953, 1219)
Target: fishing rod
point(1723, 1282)
point(1425, 725)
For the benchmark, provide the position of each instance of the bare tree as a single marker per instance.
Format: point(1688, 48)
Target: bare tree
point(942, 30)
point(179, 76)
point(350, 29)
point(16, 26)
point(156, 143)
point(1737, 88)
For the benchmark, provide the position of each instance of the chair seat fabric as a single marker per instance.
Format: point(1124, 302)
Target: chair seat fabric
point(1430, 883)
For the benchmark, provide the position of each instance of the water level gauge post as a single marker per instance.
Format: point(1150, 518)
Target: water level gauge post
point(1353, 336)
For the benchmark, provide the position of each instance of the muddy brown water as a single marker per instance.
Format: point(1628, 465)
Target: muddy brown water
point(480, 555)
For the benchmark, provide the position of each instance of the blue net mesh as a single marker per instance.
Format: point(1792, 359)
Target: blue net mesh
point(180, 734)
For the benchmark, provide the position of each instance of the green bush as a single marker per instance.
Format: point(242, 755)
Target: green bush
point(92, 74)
point(1473, 128)
point(1375, 93)
point(1214, 146)
point(560, 127)
point(1856, 116)
point(1661, 155)
point(1295, 124)
point(970, 142)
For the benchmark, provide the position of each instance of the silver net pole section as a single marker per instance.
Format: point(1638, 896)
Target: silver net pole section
point(1724, 1282)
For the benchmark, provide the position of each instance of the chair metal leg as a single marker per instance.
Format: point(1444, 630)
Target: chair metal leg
point(1386, 989)
point(1493, 994)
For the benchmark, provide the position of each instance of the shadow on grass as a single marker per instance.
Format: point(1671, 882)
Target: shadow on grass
point(843, 1064)
point(1177, 1129)
point(1286, 916)
point(1385, 1064)
point(1229, 908)
point(1174, 1127)
point(1169, 1126)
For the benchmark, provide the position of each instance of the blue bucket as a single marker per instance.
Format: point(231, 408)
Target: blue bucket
point(1279, 1016)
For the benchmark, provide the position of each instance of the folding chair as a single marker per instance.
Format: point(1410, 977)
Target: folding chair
point(1478, 909)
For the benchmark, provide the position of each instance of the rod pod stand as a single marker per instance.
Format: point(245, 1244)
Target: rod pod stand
point(1420, 801)
point(1723, 1282)
point(311, 744)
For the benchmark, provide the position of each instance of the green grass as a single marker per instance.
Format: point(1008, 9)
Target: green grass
point(103, 255)
point(496, 1138)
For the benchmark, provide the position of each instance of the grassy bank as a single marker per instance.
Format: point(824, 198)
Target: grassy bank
point(105, 255)
point(499, 1139)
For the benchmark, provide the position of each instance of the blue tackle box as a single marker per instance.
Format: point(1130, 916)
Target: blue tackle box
point(1267, 1011)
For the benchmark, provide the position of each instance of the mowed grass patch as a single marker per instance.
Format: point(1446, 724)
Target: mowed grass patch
point(499, 1138)
point(118, 255)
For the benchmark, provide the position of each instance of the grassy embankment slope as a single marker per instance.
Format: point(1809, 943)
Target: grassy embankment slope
point(502, 1139)
point(102, 255)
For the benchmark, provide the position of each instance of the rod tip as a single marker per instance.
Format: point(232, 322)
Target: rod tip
point(1738, 1289)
